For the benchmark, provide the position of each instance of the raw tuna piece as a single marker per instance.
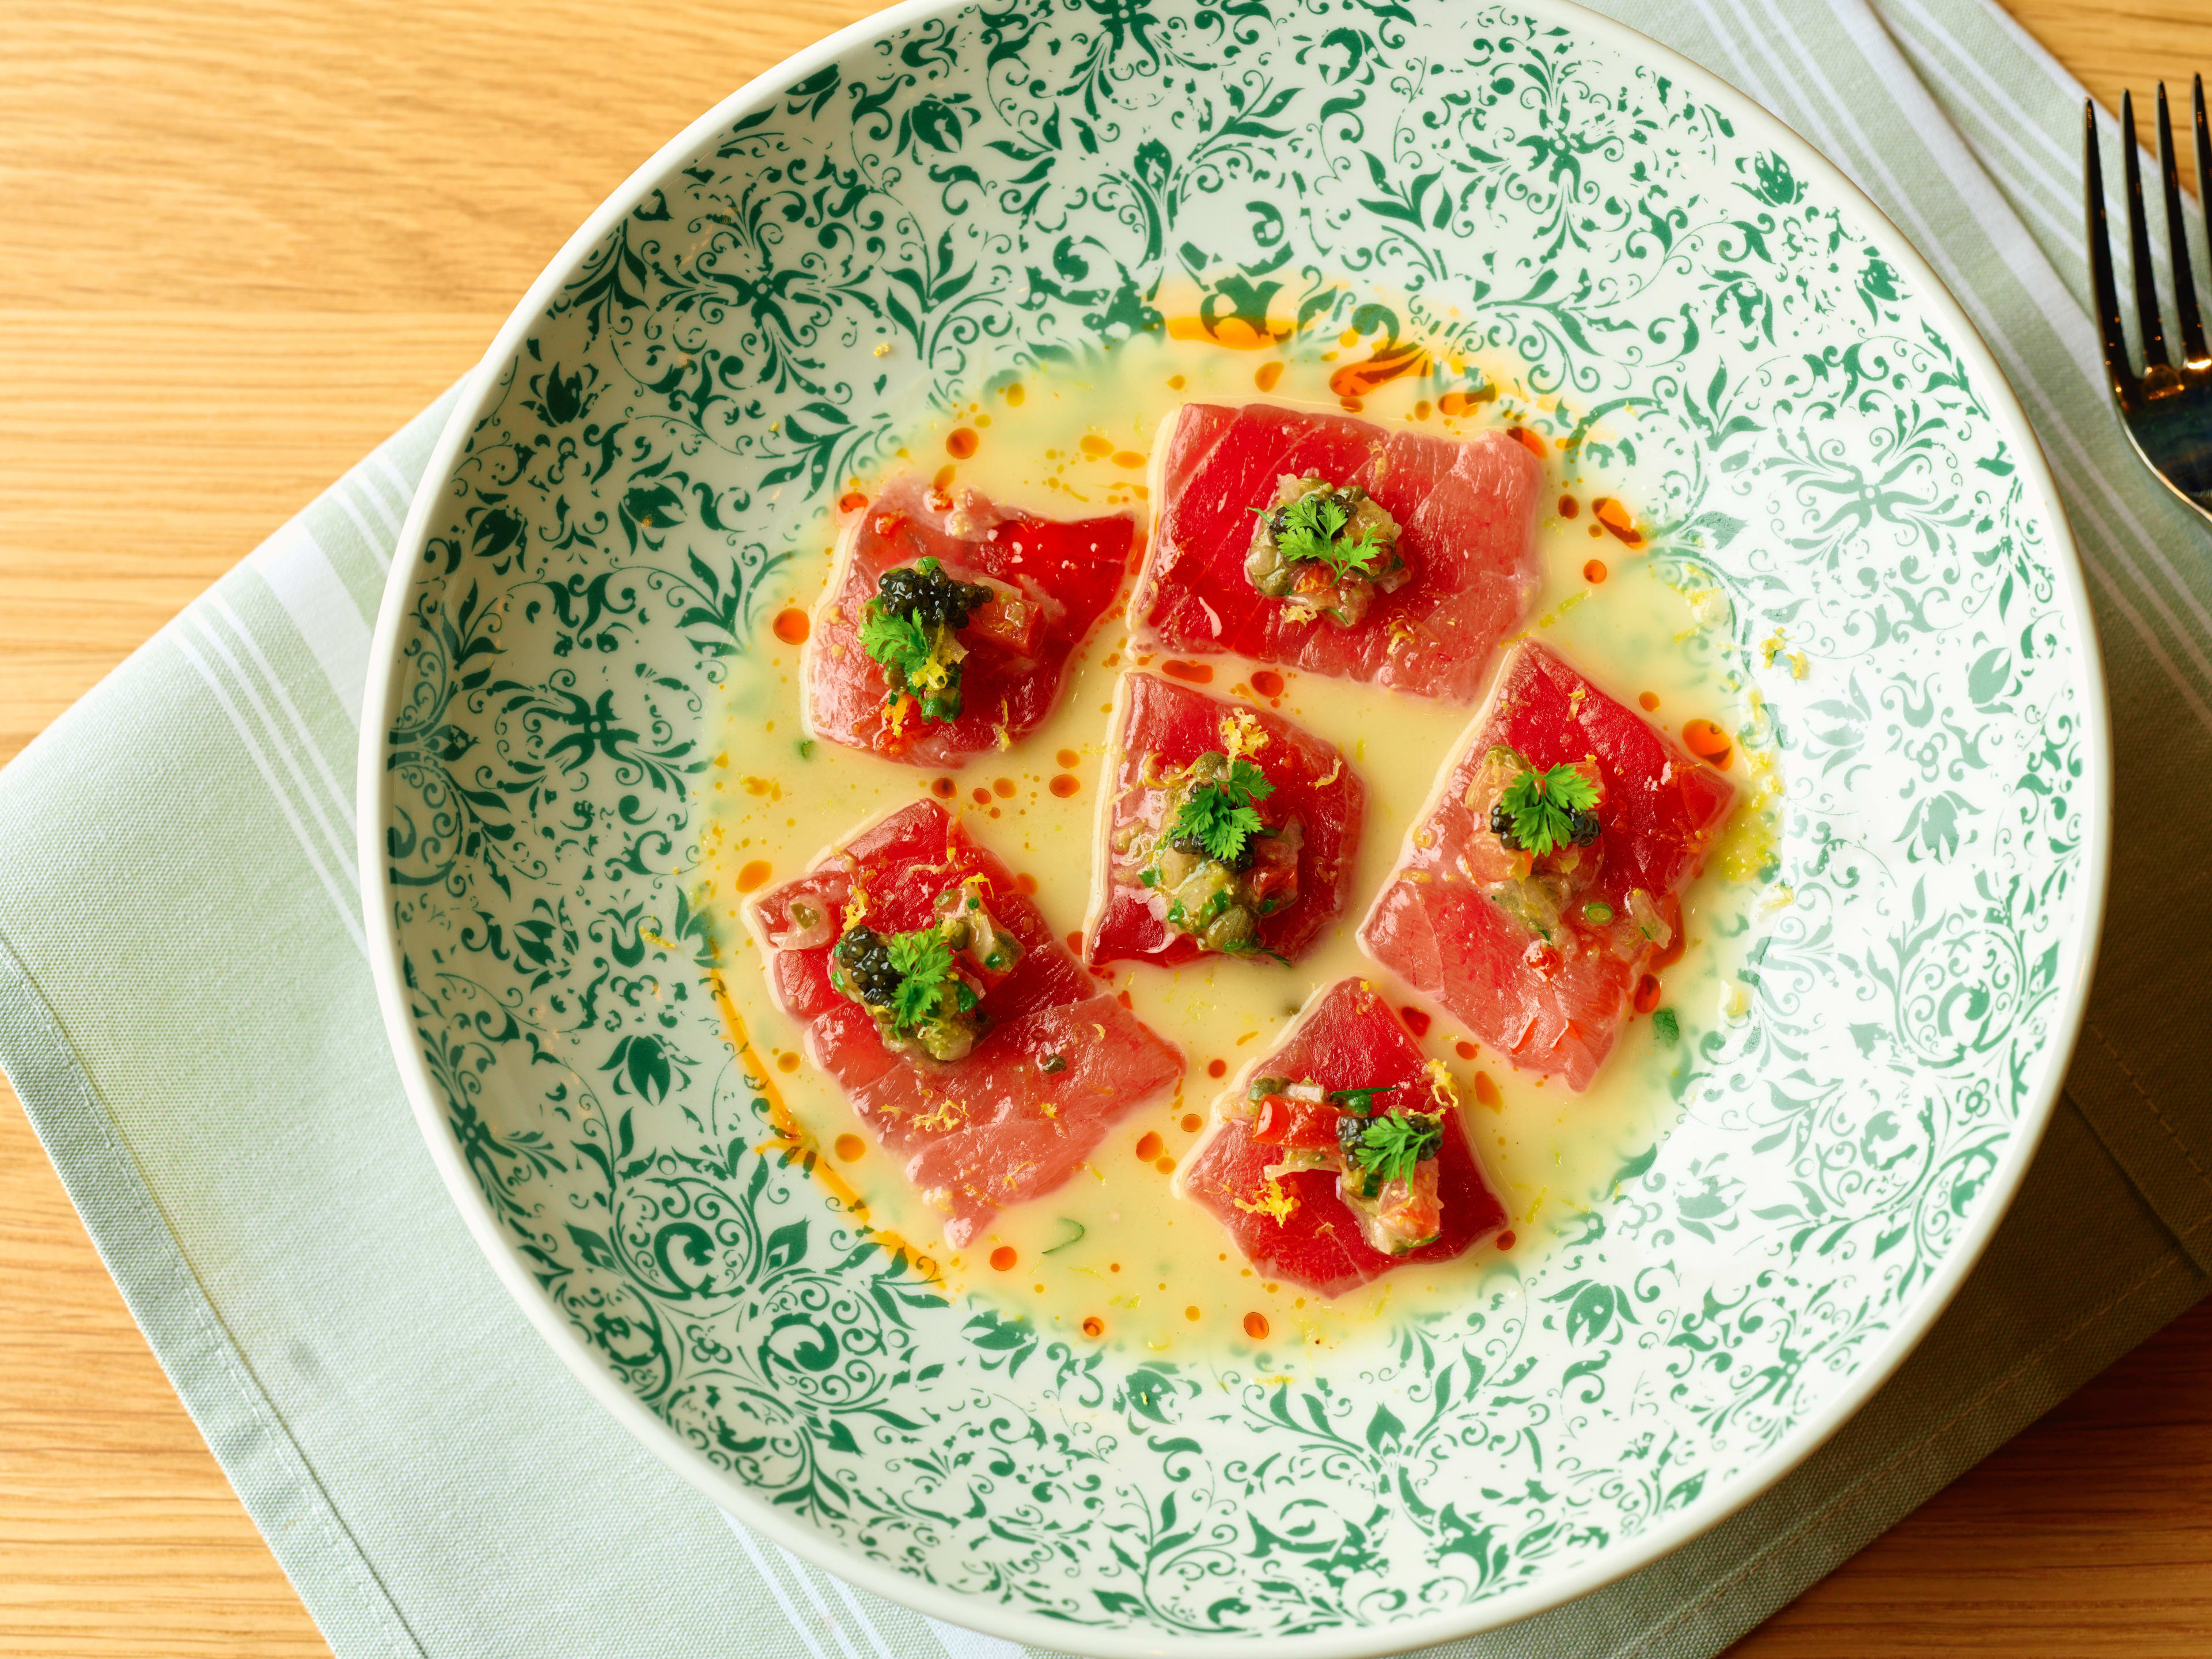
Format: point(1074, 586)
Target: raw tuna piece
point(1467, 516)
point(1348, 1037)
point(1070, 571)
point(994, 1128)
point(1556, 1009)
point(1154, 717)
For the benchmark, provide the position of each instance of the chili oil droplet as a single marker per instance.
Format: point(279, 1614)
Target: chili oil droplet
point(1708, 743)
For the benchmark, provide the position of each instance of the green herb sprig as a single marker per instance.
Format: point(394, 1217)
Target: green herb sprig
point(1542, 805)
point(896, 642)
point(926, 984)
point(1310, 528)
point(1393, 1146)
point(1220, 817)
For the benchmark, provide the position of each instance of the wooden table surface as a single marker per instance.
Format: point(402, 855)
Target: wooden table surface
point(252, 238)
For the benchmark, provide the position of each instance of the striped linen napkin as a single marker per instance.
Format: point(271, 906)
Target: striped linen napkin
point(239, 1150)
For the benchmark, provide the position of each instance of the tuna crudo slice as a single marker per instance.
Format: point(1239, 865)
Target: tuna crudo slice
point(1273, 879)
point(1450, 525)
point(1537, 951)
point(1338, 1156)
point(964, 1032)
point(975, 610)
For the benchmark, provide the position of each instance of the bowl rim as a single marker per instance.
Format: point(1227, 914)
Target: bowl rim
point(373, 789)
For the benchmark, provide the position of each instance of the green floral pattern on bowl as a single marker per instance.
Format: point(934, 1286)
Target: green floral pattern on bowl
point(948, 196)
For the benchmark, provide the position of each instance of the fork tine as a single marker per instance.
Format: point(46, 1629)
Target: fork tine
point(2203, 163)
point(2147, 315)
point(2177, 234)
point(2100, 254)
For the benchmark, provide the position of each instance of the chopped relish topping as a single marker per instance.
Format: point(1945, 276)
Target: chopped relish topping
point(1325, 549)
point(1542, 857)
point(911, 627)
point(1388, 1146)
point(925, 986)
point(1385, 1161)
point(1313, 527)
point(1358, 1102)
point(1217, 867)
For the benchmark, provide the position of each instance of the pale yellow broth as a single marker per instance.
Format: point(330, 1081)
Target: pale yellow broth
point(1114, 1250)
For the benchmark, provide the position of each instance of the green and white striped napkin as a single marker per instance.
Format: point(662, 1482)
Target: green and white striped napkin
point(230, 1126)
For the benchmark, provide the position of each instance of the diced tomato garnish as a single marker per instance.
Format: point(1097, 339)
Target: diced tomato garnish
point(1283, 1121)
point(1274, 879)
point(1418, 1216)
point(1010, 621)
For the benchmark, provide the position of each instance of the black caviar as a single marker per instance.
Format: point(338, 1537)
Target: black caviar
point(866, 960)
point(926, 593)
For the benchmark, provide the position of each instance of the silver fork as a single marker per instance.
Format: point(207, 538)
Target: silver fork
point(2168, 409)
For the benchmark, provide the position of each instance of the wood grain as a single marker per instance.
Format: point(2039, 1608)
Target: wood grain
point(251, 239)
point(2113, 46)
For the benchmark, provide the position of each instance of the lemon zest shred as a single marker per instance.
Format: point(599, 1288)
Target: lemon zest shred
point(1442, 1089)
point(1272, 1200)
point(1241, 734)
point(950, 1115)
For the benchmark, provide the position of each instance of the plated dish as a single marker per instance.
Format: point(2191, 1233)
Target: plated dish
point(1108, 771)
point(1187, 854)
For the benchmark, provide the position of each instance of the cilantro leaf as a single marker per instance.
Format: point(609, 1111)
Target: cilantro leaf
point(1542, 806)
point(1571, 787)
point(923, 960)
point(1312, 526)
point(1392, 1145)
point(1218, 817)
point(1245, 776)
point(894, 640)
point(1226, 830)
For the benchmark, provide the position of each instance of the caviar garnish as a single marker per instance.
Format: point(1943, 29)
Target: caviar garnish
point(911, 627)
point(908, 982)
point(924, 593)
point(866, 957)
